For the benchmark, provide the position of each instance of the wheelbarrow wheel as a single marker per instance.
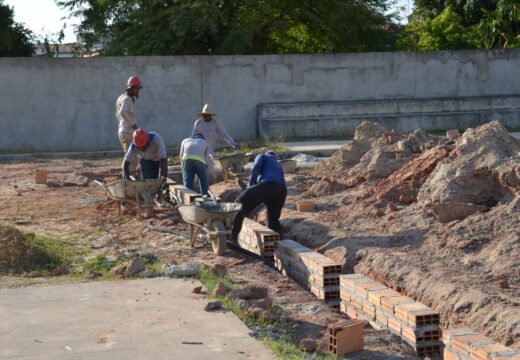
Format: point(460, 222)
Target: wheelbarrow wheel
point(218, 242)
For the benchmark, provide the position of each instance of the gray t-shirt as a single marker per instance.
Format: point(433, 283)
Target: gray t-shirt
point(156, 149)
point(195, 149)
point(211, 131)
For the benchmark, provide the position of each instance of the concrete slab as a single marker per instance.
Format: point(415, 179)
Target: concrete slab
point(139, 319)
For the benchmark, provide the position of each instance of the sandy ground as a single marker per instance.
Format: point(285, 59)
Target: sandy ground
point(83, 217)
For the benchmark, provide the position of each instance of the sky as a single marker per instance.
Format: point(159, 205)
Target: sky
point(44, 17)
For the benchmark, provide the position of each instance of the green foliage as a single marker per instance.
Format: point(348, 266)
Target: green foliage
point(501, 28)
point(15, 39)
point(179, 27)
point(445, 32)
point(21, 251)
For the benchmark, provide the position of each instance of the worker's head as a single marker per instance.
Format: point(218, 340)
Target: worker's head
point(133, 85)
point(207, 113)
point(198, 136)
point(272, 154)
point(141, 139)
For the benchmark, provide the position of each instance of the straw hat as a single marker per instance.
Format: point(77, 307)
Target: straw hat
point(207, 110)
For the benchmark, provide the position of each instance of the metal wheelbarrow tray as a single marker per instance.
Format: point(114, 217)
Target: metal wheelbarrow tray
point(215, 219)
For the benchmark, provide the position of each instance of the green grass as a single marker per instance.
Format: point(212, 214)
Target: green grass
point(280, 344)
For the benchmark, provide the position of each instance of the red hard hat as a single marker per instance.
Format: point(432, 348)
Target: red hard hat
point(134, 81)
point(140, 138)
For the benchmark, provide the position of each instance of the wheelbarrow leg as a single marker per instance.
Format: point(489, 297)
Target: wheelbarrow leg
point(138, 205)
point(194, 232)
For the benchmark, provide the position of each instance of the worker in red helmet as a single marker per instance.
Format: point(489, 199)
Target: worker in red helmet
point(150, 146)
point(125, 113)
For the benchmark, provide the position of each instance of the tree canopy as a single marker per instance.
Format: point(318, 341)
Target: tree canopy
point(15, 39)
point(180, 27)
point(462, 24)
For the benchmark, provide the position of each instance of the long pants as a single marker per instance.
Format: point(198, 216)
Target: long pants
point(149, 169)
point(192, 167)
point(270, 193)
point(126, 139)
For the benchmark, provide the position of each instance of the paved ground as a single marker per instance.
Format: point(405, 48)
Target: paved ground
point(140, 319)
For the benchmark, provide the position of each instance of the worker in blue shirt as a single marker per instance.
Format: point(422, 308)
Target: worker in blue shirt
point(266, 186)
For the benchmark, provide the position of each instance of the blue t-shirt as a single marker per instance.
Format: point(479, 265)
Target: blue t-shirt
point(266, 168)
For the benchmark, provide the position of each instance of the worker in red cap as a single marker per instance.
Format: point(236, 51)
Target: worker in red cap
point(125, 113)
point(150, 146)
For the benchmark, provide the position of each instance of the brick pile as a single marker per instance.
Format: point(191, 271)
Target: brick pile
point(185, 195)
point(384, 308)
point(467, 344)
point(258, 239)
point(314, 271)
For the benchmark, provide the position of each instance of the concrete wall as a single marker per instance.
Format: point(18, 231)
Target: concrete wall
point(68, 104)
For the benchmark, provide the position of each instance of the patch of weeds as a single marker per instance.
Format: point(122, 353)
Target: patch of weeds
point(23, 251)
point(276, 334)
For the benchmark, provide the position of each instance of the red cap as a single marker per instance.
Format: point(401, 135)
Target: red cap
point(134, 81)
point(140, 138)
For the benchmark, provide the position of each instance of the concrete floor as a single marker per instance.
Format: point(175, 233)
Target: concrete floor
point(139, 319)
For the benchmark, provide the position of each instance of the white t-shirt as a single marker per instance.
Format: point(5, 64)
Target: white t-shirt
point(125, 113)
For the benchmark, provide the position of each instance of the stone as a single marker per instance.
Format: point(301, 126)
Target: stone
point(258, 292)
point(91, 274)
point(242, 293)
point(308, 345)
point(242, 304)
point(183, 270)
point(197, 290)
point(265, 303)
point(221, 290)
point(452, 134)
point(35, 273)
point(256, 312)
point(213, 305)
point(447, 212)
point(218, 269)
point(135, 266)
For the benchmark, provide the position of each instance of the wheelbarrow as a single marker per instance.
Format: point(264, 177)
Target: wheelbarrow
point(215, 219)
point(138, 193)
point(233, 165)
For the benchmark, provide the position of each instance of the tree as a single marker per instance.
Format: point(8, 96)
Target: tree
point(168, 27)
point(445, 32)
point(15, 39)
point(501, 28)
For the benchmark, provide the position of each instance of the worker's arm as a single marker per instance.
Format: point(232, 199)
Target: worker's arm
point(255, 171)
point(194, 131)
point(222, 132)
point(126, 169)
point(161, 154)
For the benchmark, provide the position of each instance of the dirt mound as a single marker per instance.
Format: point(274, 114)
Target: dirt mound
point(483, 169)
point(325, 187)
point(375, 153)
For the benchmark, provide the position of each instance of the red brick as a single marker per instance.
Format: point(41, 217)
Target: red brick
point(362, 289)
point(389, 303)
point(479, 352)
point(375, 296)
point(346, 339)
point(463, 343)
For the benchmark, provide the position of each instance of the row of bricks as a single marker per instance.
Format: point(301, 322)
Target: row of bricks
point(253, 227)
point(258, 244)
point(315, 284)
point(185, 195)
point(301, 270)
point(256, 250)
point(258, 239)
point(467, 344)
point(425, 340)
point(313, 260)
point(406, 309)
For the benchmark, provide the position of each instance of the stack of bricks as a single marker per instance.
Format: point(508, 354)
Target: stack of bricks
point(384, 308)
point(185, 195)
point(258, 239)
point(467, 344)
point(345, 337)
point(314, 271)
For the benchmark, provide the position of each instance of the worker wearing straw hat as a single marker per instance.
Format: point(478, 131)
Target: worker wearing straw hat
point(211, 129)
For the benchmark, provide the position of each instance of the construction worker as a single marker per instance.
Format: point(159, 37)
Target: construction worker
point(125, 114)
point(211, 129)
point(266, 186)
point(150, 146)
point(194, 151)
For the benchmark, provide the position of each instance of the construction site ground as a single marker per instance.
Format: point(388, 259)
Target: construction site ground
point(378, 213)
